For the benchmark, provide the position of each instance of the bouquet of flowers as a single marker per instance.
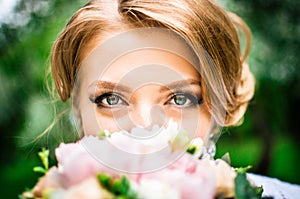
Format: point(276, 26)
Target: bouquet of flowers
point(98, 167)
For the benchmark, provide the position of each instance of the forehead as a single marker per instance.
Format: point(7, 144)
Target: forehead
point(148, 52)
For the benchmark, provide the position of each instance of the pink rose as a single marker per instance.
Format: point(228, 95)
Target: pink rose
point(186, 178)
point(76, 164)
point(50, 181)
point(195, 179)
point(87, 189)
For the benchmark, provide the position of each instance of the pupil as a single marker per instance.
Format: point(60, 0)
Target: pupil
point(180, 100)
point(112, 100)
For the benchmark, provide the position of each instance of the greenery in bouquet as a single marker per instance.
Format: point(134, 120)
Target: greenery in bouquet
point(193, 175)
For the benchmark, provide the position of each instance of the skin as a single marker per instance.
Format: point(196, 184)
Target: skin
point(142, 87)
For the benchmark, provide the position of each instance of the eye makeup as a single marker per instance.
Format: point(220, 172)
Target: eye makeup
point(180, 94)
point(109, 100)
point(184, 93)
point(107, 94)
point(184, 99)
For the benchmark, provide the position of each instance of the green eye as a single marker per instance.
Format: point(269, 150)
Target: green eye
point(185, 100)
point(180, 100)
point(111, 100)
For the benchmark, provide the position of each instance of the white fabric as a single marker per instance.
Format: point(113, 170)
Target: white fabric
point(275, 188)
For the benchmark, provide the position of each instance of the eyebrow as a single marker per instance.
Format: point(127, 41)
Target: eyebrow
point(122, 88)
point(180, 84)
point(111, 86)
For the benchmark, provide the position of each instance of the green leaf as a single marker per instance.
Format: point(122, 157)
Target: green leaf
point(191, 150)
point(242, 170)
point(226, 158)
point(104, 180)
point(121, 187)
point(44, 155)
point(244, 190)
point(259, 190)
point(103, 134)
point(39, 169)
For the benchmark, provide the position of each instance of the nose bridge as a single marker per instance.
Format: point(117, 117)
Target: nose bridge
point(141, 114)
point(146, 110)
point(147, 114)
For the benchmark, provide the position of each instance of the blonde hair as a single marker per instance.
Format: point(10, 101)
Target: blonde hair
point(203, 23)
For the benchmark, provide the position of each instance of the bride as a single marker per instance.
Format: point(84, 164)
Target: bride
point(142, 63)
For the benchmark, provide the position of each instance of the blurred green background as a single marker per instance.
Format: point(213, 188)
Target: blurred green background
point(268, 139)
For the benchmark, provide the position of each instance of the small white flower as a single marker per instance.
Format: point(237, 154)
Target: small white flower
point(197, 147)
point(142, 141)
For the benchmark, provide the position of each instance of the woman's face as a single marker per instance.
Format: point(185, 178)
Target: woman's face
point(141, 87)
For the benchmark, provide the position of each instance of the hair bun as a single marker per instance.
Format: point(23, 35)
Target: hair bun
point(244, 93)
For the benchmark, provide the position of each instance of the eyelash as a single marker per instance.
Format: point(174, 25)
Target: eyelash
point(194, 100)
point(98, 100)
